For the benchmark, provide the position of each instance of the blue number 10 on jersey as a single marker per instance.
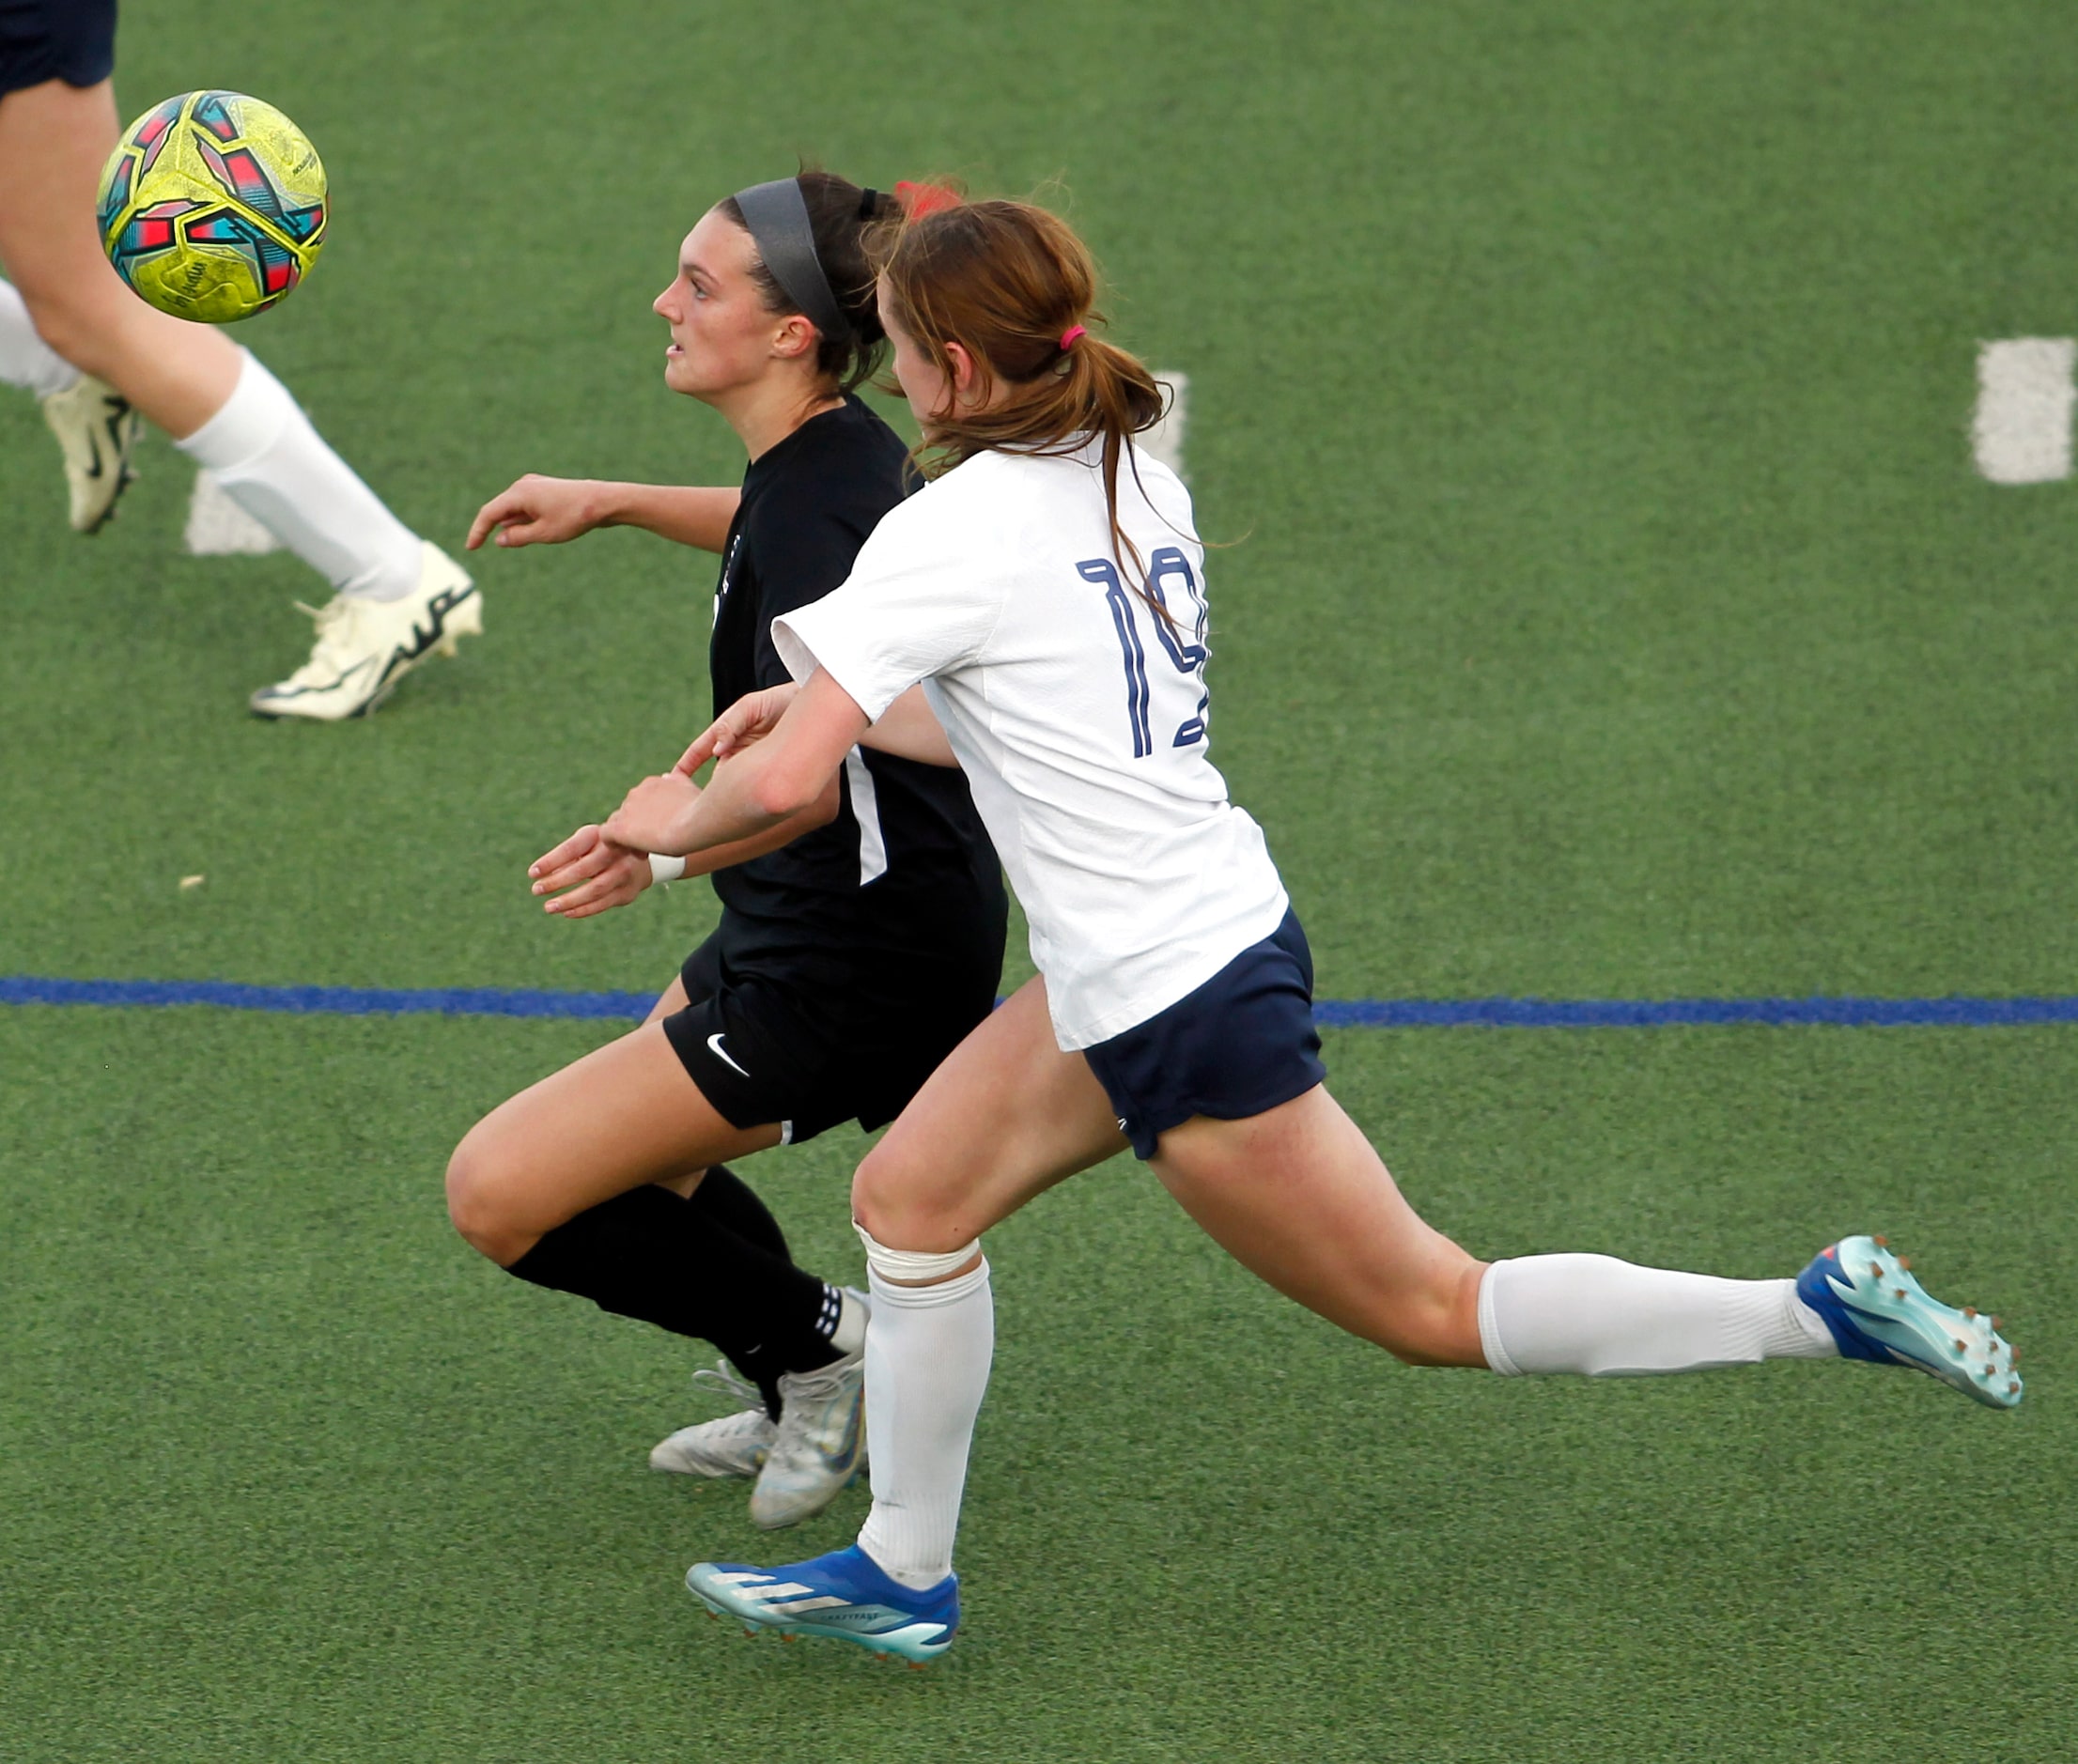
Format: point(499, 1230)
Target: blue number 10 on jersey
point(1188, 655)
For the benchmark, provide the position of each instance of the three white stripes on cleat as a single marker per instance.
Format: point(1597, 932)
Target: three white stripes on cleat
point(771, 1595)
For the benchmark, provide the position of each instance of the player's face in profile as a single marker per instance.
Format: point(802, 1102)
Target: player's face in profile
point(720, 334)
point(923, 383)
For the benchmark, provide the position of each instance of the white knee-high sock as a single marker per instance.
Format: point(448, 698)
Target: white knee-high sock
point(1607, 1317)
point(928, 1354)
point(271, 462)
point(26, 359)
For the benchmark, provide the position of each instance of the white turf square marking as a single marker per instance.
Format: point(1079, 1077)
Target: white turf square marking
point(1165, 441)
point(2022, 432)
point(218, 527)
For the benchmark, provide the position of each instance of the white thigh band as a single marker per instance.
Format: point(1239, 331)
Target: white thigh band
point(908, 1266)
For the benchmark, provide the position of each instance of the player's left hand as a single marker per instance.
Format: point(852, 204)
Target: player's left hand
point(597, 872)
point(653, 814)
point(752, 717)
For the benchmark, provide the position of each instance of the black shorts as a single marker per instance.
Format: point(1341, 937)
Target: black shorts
point(763, 1046)
point(1241, 1043)
point(73, 40)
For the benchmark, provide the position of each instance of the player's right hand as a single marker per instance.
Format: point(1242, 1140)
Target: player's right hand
point(538, 511)
point(597, 874)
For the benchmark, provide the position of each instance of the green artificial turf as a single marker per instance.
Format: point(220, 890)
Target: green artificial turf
point(1613, 612)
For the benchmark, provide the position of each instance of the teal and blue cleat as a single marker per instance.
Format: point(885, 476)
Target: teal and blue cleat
point(843, 1594)
point(1877, 1311)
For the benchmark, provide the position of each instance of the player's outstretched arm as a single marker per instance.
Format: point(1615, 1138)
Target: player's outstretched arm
point(908, 727)
point(589, 873)
point(775, 779)
point(537, 510)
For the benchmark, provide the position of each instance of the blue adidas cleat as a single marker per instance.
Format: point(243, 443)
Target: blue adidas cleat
point(1877, 1311)
point(843, 1594)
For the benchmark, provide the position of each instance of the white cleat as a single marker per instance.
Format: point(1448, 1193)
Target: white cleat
point(731, 1446)
point(820, 1445)
point(365, 647)
point(98, 430)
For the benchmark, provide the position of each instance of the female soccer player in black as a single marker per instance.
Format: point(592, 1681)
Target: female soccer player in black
point(859, 943)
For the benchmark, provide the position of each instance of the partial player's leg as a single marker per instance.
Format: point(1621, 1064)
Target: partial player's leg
point(1298, 1195)
point(1004, 1117)
point(397, 599)
point(54, 140)
point(605, 1180)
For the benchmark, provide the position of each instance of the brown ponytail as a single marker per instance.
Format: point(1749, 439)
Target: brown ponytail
point(1015, 286)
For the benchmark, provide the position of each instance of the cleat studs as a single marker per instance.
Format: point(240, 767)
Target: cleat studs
point(1970, 1311)
point(1881, 1243)
point(1901, 1291)
point(918, 1666)
point(1961, 1346)
point(1997, 1323)
point(788, 1636)
point(1904, 1262)
point(2014, 1388)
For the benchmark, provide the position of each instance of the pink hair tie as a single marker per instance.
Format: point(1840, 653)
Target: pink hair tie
point(1069, 335)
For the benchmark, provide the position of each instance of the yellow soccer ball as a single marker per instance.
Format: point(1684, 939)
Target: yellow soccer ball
point(213, 205)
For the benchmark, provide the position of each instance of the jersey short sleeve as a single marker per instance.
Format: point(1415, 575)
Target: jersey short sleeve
point(921, 601)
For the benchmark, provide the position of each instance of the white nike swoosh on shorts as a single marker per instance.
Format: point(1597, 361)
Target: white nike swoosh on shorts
point(715, 1047)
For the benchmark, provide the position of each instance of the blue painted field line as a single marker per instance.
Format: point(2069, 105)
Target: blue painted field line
point(1951, 1012)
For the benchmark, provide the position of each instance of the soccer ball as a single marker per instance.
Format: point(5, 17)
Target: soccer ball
point(213, 205)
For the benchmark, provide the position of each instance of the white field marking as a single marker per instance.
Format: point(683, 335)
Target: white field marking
point(1165, 441)
point(218, 527)
point(2022, 432)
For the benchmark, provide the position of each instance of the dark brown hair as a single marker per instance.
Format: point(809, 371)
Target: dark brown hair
point(843, 217)
point(1008, 281)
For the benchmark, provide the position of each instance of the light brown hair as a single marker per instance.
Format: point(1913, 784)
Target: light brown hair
point(1008, 281)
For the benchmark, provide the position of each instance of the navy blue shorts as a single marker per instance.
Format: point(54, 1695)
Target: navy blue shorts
point(1243, 1043)
point(73, 40)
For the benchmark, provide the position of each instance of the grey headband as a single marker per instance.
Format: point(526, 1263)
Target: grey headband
point(777, 215)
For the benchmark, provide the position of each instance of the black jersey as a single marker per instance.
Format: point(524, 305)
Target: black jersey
point(905, 879)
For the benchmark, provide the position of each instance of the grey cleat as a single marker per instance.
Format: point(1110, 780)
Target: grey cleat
point(820, 1445)
point(731, 1445)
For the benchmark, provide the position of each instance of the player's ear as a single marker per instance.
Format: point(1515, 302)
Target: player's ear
point(962, 367)
point(795, 339)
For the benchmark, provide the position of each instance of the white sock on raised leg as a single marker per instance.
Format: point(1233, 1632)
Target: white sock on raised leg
point(25, 360)
point(1606, 1317)
point(268, 458)
point(928, 1354)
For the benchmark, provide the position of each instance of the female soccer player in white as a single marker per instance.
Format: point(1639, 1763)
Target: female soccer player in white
point(859, 939)
point(96, 356)
point(1048, 594)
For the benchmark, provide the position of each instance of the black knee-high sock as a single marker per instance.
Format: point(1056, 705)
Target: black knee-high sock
point(730, 1202)
point(651, 1254)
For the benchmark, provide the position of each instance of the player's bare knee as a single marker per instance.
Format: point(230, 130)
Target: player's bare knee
point(475, 1204)
point(892, 1207)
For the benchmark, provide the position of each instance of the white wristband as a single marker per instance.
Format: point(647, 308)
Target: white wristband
point(665, 870)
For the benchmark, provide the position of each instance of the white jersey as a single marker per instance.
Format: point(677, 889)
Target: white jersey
point(1077, 714)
